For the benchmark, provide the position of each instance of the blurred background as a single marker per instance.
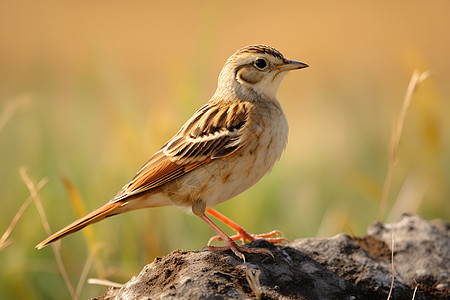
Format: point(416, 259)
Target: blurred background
point(89, 90)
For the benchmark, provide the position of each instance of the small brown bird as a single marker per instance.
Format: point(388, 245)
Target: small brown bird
point(227, 146)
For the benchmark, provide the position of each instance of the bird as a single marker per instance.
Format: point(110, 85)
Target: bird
point(226, 147)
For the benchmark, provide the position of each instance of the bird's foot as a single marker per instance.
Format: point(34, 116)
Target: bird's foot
point(231, 244)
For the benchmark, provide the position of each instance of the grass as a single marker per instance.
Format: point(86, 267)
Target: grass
point(4, 242)
point(392, 265)
point(55, 246)
point(416, 79)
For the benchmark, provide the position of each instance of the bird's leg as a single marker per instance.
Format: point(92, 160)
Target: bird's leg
point(242, 234)
point(231, 245)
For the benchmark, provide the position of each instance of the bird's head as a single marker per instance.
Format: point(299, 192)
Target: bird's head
point(255, 70)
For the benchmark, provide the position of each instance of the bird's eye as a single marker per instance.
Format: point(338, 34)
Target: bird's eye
point(260, 63)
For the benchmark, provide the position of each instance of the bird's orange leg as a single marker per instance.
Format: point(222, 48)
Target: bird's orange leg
point(231, 245)
point(242, 234)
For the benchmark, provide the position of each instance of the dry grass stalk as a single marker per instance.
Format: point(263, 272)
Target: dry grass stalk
point(3, 240)
point(416, 79)
point(415, 290)
point(86, 268)
point(55, 247)
point(104, 282)
point(88, 233)
point(392, 263)
point(253, 280)
point(11, 108)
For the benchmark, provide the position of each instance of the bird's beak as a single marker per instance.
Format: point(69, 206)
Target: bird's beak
point(289, 65)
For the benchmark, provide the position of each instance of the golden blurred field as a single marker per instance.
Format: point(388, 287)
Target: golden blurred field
point(90, 89)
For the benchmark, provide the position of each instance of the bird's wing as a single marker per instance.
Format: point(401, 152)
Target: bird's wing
point(214, 131)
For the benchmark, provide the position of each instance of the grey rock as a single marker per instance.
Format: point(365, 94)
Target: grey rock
point(341, 267)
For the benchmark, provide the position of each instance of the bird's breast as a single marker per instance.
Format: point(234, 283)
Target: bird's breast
point(263, 143)
point(263, 140)
point(271, 139)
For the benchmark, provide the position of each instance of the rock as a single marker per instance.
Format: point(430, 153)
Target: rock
point(341, 267)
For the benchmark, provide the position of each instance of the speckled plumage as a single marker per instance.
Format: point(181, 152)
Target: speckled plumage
point(227, 146)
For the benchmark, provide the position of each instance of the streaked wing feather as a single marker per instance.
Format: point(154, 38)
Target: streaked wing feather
point(213, 131)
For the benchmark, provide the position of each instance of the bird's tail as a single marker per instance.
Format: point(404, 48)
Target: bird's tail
point(94, 216)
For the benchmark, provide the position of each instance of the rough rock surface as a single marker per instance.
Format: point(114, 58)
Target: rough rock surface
point(341, 267)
